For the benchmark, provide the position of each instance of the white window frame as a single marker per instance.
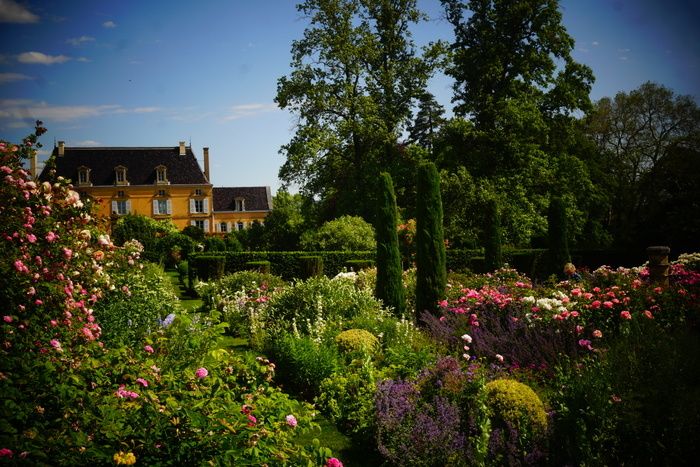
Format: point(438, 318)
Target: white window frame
point(239, 204)
point(157, 204)
point(196, 204)
point(118, 204)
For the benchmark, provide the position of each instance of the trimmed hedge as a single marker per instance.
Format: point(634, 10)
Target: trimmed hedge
point(209, 267)
point(287, 264)
point(259, 266)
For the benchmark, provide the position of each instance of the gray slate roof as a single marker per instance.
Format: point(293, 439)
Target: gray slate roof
point(257, 198)
point(141, 165)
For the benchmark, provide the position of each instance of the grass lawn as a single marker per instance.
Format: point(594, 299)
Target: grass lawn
point(187, 301)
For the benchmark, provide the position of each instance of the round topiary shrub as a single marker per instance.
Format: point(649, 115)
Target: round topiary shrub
point(356, 340)
point(517, 404)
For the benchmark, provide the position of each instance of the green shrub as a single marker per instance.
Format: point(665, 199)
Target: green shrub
point(357, 341)
point(145, 230)
point(214, 244)
point(347, 399)
point(517, 404)
point(140, 298)
point(209, 267)
point(302, 364)
point(175, 247)
point(347, 233)
point(194, 232)
point(182, 269)
point(317, 300)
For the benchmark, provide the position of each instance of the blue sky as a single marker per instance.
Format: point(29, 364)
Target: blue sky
point(152, 73)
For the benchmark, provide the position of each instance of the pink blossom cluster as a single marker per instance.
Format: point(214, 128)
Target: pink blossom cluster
point(123, 393)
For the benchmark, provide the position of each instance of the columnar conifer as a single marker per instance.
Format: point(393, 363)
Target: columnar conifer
point(558, 242)
point(389, 287)
point(431, 275)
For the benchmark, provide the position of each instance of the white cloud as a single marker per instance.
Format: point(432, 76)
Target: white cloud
point(87, 142)
point(595, 43)
point(109, 24)
point(13, 12)
point(38, 58)
point(144, 110)
point(249, 110)
point(29, 110)
point(78, 41)
point(11, 77)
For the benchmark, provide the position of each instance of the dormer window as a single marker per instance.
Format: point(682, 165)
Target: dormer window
point(239, 204)
point(161, 175)
point(84, 176)
point(120, 175)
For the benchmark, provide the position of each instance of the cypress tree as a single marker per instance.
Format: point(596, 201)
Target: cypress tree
point(493, 258)
point(557, 230)
point(389, 288)
point(431, 274)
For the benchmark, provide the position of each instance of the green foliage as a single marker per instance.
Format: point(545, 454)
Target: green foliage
point(302, 364)
point(517, 404)
point(493, 258)
point(430, 246)
point(286, 222)
point(209, 267)
point(175, 247)
point(347, 399)
point(357, 341)
point(311, 266)
point(355, 76)
point(319, 299)
point(639, 137)
point(214, 244)
point(194, 232)
point(347, 233)
point(140, 299)
point(359, 264)
point(259, 266)
point(146, 230)
point(287, 265)
point(389, 288)
point(232, 242)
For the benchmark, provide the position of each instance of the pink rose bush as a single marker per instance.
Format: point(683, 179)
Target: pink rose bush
point(79, 392)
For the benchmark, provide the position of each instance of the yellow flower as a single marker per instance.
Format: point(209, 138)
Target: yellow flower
point(124, 458)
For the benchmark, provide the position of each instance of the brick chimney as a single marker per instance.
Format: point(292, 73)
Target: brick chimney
point(182, 148)
point(206, 163)
point(61, 148)
point(33, 166)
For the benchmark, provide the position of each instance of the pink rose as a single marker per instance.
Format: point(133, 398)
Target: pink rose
point(597, 333)
point(148, 349)
point(333, 462)
point(142, 382)
point(201, 373)
point(291, 420)
point(7, 319)
point(625, 315)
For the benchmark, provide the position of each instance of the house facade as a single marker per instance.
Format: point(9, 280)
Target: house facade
point(159, 182)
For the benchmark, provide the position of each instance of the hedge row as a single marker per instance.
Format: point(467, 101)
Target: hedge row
point(293, 264)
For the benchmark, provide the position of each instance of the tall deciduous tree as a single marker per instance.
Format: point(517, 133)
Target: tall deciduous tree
point(428, 121)
point(633, 132)
point(431, 273)
point(355, 77)
point(516, 82)
point(389, 287)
